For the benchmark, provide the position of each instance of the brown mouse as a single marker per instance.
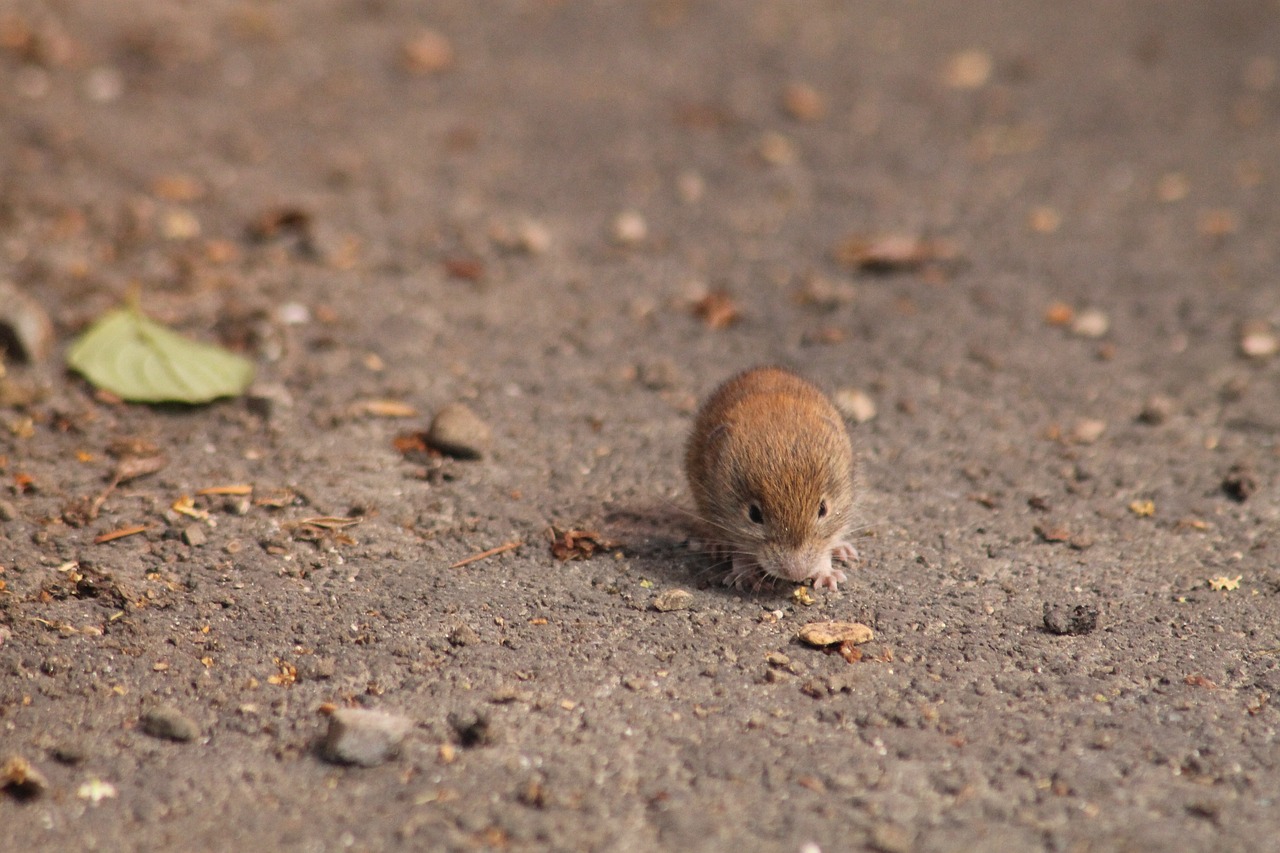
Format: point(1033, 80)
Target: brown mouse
point(770, 465)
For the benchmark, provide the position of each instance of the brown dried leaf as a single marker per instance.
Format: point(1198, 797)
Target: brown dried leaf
point(575, 544)
point(717, 310)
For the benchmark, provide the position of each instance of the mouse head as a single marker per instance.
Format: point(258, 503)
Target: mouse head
point(785, 496)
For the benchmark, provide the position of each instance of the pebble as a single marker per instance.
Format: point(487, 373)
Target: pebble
point(463, 634)
point(459, 432)
point(314, 668)
point(268, 400)
point(1069, 621)
point(21, 780)
point(830, 633)
point(1156, 410)
point(629, 229)
point(1088, 430)
point(673, 599)
point(24, 323)
point(802, 102)
point(1240, 482)
point(8, 512)
point(855, 404)
point(364, 737)
point(472, 727)
point(776, 149)
point(427, 52)
point(194, 535)
point(1090, 324)
point(165, 721)
point(968, 69)
point(1258, 341)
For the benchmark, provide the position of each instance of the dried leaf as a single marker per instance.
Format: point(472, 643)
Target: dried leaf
point(717, 310)
point(140, 360)
point(578, 544)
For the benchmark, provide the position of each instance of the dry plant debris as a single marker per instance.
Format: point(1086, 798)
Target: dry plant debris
point(575, 544)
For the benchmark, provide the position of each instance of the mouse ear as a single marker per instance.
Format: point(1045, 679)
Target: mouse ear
point(714, 443)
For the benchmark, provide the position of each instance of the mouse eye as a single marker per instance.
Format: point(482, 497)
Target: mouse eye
point(822, 509)
point(756, 514)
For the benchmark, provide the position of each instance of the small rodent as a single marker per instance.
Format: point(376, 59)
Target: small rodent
point(770, 465)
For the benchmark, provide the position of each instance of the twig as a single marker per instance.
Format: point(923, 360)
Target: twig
point(501, 549)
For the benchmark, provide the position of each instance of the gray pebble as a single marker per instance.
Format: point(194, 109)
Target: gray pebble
point(165, 721)
point(194, 535)
point(312, 668)
point(364, 737)
point(463, 634)
point(24, 324)
point(672, 599)
point(1064, 620)
point(457, 431)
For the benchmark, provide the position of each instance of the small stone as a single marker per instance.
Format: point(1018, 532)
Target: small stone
point(268, 400)
point(776, 149)
point(20, 780)
point(194, 535)
point(364, 737)
point(831, 633)
point(673, 599)
point(179, 224)
point(26, 334)
point(315, 668)
point(1069, 621)
point(1156, 410)
point(463, 634)
point(629, 229)
point(855, 405)
point(459, 432)
point(1172, 186)
point(104, 84)
point(660, 375)
point(891, 838)
point(1258, 341)
point(472, 728)
point(1240, 482)
point(803, 102)
point(968, 69)
point(1088, 430)
point(8, 512)
point(1045, 220)
point(1090, 323)
point(527, 236)
point(68, 752)
point(167, 722)
point(691, 186)
point(427, 52)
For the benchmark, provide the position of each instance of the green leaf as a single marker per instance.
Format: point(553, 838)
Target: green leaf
point(140, 360)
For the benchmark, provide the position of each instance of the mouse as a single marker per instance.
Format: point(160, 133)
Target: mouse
point(771, 468)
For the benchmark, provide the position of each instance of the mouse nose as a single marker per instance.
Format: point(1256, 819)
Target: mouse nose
point(795, 565)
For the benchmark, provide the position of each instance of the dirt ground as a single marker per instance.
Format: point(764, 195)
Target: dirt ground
point(1040, 238)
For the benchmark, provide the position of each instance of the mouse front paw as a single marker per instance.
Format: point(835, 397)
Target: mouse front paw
point(829, 578)
point(845, 552)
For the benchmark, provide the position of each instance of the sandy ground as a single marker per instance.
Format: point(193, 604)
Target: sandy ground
point(577, 218)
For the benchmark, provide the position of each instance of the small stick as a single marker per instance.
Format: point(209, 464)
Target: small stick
point(119, 534)
point(501, 549)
